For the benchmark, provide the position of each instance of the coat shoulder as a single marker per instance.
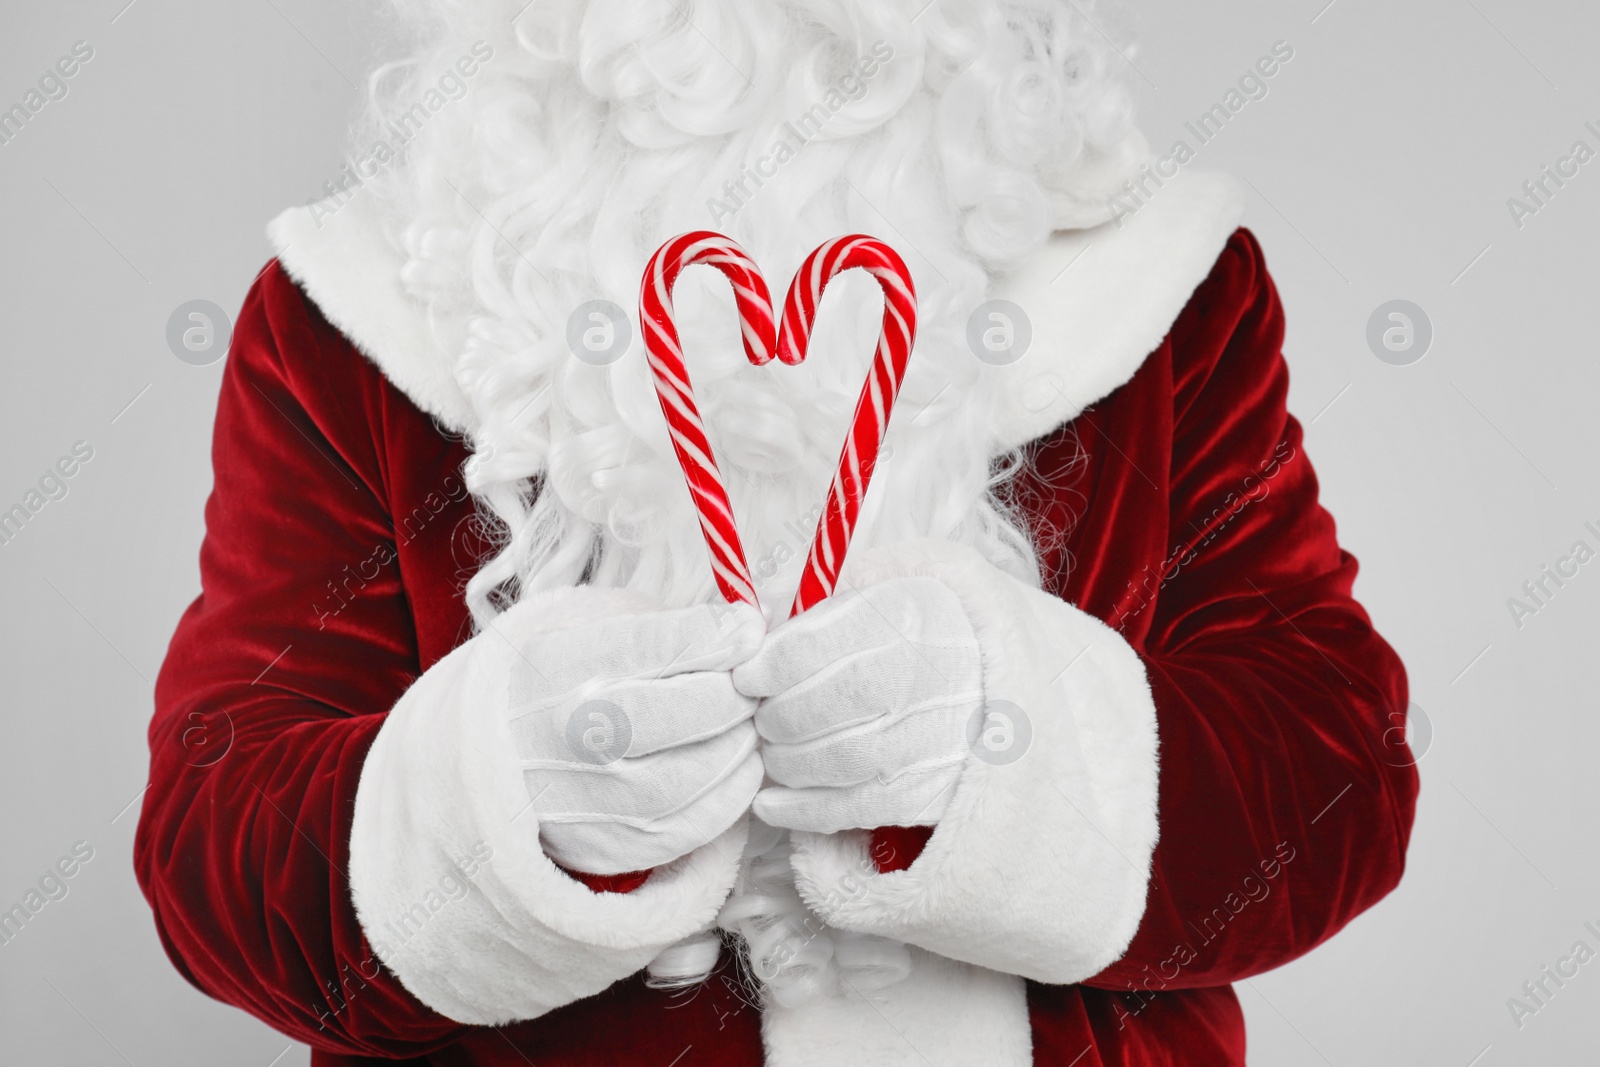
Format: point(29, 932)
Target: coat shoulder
point(1229, 335)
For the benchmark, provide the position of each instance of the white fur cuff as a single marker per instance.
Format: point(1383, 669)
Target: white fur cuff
point(449, 881)
point(1040, 865)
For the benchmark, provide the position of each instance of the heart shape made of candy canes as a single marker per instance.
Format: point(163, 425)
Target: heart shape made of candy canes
point(762, 340)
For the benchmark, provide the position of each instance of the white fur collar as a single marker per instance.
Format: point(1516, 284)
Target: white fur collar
point(1099, 300)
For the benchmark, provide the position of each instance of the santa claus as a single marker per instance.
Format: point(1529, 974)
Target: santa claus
point(459, 759)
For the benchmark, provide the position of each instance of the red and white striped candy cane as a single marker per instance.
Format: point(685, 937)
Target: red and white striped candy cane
point(878, 392)
point(677, 395)
point(867, 428)
point(871, 421)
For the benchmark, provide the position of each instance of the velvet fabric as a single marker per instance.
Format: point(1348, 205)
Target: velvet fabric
point(1181, 509)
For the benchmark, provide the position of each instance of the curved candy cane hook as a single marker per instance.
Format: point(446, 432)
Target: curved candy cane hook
point(871, 420)
point(656, 318)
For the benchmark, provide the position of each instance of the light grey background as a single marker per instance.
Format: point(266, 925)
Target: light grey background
point(1379, 166)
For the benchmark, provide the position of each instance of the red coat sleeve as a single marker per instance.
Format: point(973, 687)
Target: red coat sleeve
point(266, 703)
point(1285, 801)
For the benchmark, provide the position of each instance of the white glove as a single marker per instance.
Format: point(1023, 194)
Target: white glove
point(867, 702)
point(633, 744)
point(444, 802)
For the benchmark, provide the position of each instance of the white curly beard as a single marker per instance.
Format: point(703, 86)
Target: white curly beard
point(596, 130)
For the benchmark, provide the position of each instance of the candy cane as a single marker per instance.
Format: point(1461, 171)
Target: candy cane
point(677, 395)
point(871, 421)
point(867, 428)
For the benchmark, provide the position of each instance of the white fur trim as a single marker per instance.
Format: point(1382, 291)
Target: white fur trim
point(1040, 866)
point(1101, 300)
point(437, 788)
point(341, 258)
point(1093, 325)
point(944, 1014)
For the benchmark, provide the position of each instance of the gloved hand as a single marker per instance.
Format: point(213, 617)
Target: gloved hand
point(633, 744)
point(866, 703)
point(584, 726)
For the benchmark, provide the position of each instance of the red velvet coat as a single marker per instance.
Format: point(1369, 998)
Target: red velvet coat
point(1181, 509)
